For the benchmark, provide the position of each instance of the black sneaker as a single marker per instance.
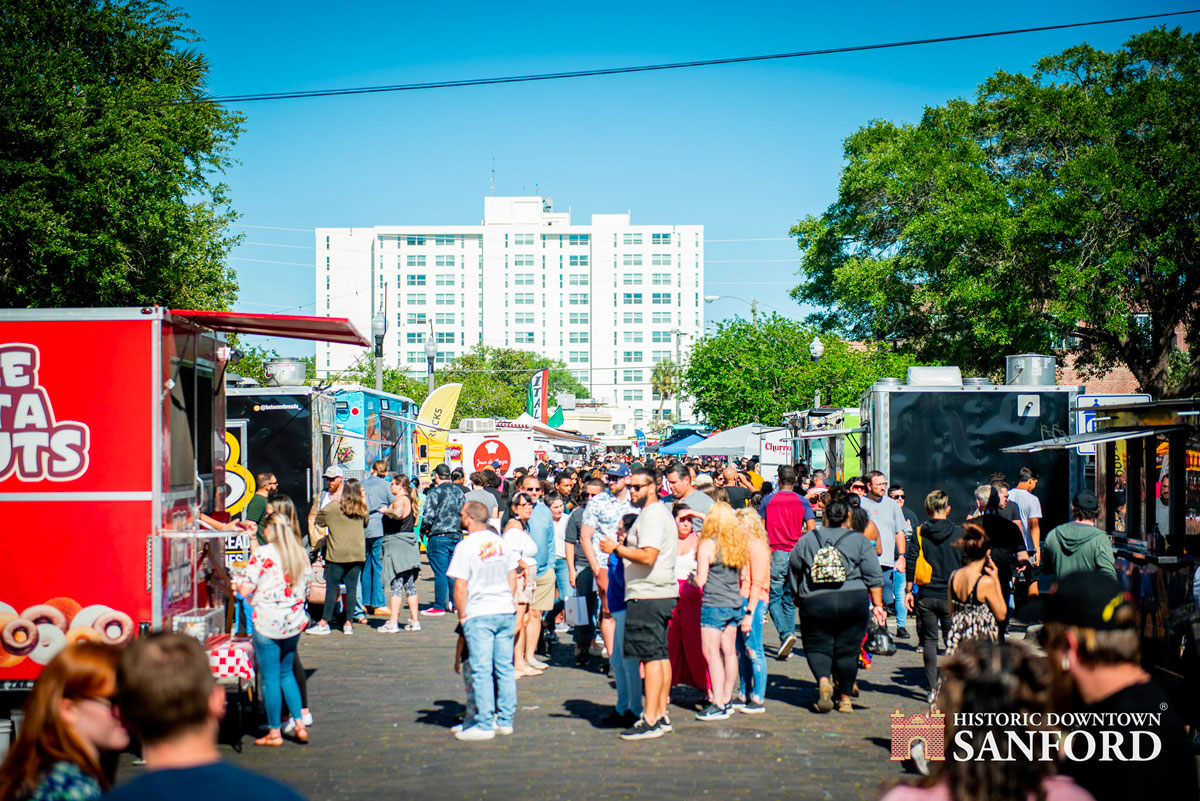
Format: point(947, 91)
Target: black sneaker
point(902, 633)
point(785, 647)
point(664, 723)
point(618, 720)
point(642, 731)
point(753, 708)
point(714, 712)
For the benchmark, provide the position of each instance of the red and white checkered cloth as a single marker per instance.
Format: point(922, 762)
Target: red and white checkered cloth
point(230, 661)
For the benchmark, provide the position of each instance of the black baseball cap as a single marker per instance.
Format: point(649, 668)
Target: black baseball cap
point(1088, 600)
point(1086, 501)
point(442, 471)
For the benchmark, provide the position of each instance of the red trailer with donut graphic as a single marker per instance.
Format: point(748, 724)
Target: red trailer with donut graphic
point(112, 447)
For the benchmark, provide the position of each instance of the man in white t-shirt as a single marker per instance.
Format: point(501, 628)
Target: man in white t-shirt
point(1030, 508)
point(485, 581)
point(888, 518)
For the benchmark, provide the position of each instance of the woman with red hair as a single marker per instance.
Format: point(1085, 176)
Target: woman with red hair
point(69, 724)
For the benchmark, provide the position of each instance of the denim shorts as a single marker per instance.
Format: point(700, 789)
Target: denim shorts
point(718, 617)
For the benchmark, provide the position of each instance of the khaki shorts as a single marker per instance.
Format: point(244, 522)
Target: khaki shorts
point(543, 593)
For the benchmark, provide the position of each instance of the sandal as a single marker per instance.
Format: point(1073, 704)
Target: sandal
point(301, 733)
point(272, 739)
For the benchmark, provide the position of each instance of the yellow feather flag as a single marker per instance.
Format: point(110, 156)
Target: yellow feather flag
point(438, 410)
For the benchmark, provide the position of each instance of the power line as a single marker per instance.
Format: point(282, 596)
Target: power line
point(550, 76)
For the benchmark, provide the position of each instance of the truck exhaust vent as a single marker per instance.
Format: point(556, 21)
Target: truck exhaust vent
point(978, 381)
point(285, 372)
point(1029, 369)
point(477, 425)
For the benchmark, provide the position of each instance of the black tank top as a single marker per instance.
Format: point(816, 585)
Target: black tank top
point(405, 524)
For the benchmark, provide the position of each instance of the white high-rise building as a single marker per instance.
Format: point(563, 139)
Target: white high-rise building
point(610, 299)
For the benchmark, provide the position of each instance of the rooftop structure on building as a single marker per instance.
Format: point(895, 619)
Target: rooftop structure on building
point(609, 299)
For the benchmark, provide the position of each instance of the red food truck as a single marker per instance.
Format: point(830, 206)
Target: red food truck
point(112, 445)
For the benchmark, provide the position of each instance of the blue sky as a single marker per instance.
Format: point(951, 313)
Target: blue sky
point(745, 149)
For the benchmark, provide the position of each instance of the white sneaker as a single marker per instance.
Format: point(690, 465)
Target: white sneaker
point(290, 726)
point(321, 628)
point(388, 628)
point(475, 733)
point(348, 628)
point(456, 728)
point(536, 663)
point(306, 718)
point(412, 625)
point(504, 729)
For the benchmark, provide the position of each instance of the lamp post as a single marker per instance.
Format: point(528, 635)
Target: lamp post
point(430, 357)
point(753, 304)
point(815, 349)
point(378, 330)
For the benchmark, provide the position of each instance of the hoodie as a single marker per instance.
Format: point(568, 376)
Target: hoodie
point(938, 538)
point(1077, 548)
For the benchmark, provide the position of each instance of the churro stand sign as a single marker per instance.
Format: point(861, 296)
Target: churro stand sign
point(492, 450)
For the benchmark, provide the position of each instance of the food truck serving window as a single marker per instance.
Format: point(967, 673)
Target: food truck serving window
point(191, 425)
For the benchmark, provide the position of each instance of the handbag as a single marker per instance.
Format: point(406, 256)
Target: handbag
point(923, 573)
point(879, 641)
point(316, 587)
point(576, 611)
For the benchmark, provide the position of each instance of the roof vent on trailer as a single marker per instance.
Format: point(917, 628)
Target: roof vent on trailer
point(978, 381)
point(1029, 369)
point(477, 425)
point(285, 372)
point(934, 377)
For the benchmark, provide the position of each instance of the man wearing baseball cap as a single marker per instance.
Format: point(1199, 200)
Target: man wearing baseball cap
point(1091, 638)
point(601, 517)
point(1078, 546)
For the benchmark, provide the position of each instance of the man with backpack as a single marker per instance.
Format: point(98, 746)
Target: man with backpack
point(930, 568)
point(829, 572)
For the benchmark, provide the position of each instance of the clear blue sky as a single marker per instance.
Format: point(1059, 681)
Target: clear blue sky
point(745, 150)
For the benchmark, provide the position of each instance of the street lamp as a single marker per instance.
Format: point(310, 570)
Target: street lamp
point(815, 350)
point(752, 303)
point(430, 357)
point(378, 330)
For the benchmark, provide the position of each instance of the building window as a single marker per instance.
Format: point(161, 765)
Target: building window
point(661, 317)
point(415, 300)
point(445, 279)
point(443, 239)
point(416, 357)
point(631, 239)
point(580, 375)
point(632, 357)
point(577, 356)
point(523, 299)
point(633, 337)
point(417, 318)
point(414, 279)
point(443, 261)
point(633, 298)
point(631, 279)
point(444, 357)
point(578, 261)
point(632, 260)
point(522, 239)
point(660, 336)
point(577, 299)
point(415, 260)
point(661, 279)
point(578, 337)
point(327, 282)
point(661, 259)
point(631, 395)
point(523, 318)
point(661, 299)
point(444, 337)
point(578, 318)
point(523, 337)
point(415, 239)
point(578, 239)
point(660, 239)
point(633, 318)
point(577, 279)
point(414, 337)
point(445, 299)
point(523, 279)
point(523, 260)
point(444, 318)
point(660, 356)
point(631, 376)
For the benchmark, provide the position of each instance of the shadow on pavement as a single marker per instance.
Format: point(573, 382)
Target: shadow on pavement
point(584, 710)
point(447, 714)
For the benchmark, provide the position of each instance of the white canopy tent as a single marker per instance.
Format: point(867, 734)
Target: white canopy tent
point(734, 443)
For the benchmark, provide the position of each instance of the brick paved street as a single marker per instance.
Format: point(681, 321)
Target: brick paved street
point(384, 704)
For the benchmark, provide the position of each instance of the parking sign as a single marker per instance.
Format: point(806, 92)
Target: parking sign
point(1085, 418)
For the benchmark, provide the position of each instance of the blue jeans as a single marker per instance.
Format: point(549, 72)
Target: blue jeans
point(781, 608)
point(898, 592)
point(439, 548)
point(626, 670)
point(752, 659)
point(275, 658)
point(562, 577)
point(490, 640)
point(370, 588)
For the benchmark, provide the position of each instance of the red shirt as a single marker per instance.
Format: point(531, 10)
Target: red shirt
point(786, 513)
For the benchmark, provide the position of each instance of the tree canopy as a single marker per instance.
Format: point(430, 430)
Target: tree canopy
point(744, 372)
point(1058, 211)
point(107, 162)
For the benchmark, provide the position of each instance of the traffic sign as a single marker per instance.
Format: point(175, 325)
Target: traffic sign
point(1085, 418)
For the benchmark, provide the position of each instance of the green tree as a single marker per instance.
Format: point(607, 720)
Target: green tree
point(495, 379)
point(664, 379)
point(396, 380)
point(744, 372)
point(107, 160)
point(1059, 208)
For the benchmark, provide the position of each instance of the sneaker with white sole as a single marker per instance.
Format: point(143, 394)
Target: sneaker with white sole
point(433, 611)
point(664, 723)
point(643, 731)
point(506, 730)
point(412, 625)
point(321, 628)
point(306, 718)
point(289, 727)
point(388, 628)
point(753, 708)
point(785, 647)
point(456, 728)
point(348, 628)
point(475, 734)
point(714, 712)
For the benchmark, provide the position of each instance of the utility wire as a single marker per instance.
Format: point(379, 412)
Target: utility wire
point(550, 76)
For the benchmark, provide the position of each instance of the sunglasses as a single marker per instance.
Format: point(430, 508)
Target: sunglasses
point(639, 486)
point(857, 486)
point(898, 496)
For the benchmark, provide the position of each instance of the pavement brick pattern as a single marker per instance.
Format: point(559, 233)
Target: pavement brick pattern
point(383, 705)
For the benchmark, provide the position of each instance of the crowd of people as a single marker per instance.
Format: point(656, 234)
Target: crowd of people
point(664, 573)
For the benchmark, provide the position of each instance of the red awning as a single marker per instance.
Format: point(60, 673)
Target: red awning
point(325, 329)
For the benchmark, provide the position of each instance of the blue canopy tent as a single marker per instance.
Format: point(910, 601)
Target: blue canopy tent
point(679, 447)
